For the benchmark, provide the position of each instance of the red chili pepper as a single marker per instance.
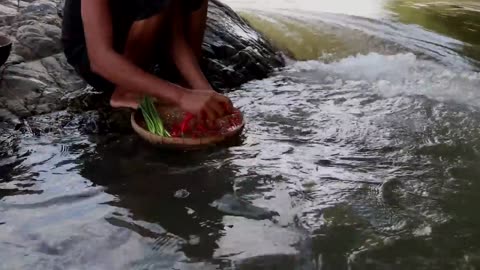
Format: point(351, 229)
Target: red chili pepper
point(186, 121)
point(176, 130)
point(201, 127)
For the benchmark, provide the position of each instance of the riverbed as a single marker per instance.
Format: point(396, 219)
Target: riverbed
point(364, 149)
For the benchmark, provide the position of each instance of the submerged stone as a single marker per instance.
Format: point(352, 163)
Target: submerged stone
point(232, 205)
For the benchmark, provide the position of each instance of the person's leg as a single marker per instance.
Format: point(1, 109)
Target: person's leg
point(196, 26)
point(139, 48)
point(194, 20)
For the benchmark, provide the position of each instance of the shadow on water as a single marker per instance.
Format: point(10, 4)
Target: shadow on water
point(171, 189)
point(187, 194)
point(169, 208)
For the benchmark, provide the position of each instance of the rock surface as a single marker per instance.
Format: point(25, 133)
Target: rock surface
point(37, 81)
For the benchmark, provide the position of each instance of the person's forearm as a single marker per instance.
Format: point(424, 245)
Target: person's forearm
point(196, 27)
point(97, 23)
point(183, 54)
point(187, 63)
point(119, 70)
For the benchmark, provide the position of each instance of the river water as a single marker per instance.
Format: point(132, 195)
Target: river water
point(362, 153)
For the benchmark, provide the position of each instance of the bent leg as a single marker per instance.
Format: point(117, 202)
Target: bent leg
point(196, 26)
point(188, 28)
point(139, 49)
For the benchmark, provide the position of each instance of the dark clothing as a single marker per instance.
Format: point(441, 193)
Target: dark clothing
point(124, 14)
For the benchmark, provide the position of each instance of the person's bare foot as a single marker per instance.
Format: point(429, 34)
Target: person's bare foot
point(123, 99)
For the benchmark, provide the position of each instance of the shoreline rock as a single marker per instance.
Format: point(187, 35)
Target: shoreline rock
point(37, 80)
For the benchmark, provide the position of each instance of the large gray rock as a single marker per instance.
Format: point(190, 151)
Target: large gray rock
point(37, 87)
point(37, 80)
point(234, 52)
point(35, 28)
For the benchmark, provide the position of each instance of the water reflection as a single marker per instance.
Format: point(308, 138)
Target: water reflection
point(364, 8)
point(438, 31)
point(147, 184)
point(190, 196)
point(459, 20)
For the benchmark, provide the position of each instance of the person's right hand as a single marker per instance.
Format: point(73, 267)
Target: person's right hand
point(205, 103)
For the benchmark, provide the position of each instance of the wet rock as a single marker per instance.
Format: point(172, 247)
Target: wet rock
point(232, 205)
point(8, 143)
point(7, 116)
point(181, 194)
point(35, 28)
point(37, 87)
point(37, 41)
point(104, 121)
point(37, 80)
point(234, 52)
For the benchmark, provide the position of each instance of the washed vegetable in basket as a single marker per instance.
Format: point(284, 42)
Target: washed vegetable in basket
point(190, 126)
point(152, 119)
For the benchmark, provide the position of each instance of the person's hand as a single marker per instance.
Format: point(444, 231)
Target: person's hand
point(206, 103)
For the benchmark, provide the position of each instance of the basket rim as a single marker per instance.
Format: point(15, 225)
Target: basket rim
point(181, 142)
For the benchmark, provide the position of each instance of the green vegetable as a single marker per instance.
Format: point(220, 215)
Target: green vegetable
point(152, 119)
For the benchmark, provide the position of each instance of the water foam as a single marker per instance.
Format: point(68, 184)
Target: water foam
point(400, 74)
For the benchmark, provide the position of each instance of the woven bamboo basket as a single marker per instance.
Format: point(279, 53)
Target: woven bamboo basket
point(170, 116)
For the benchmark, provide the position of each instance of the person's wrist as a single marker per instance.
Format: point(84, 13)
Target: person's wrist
point(202, 85)
point(180, 96)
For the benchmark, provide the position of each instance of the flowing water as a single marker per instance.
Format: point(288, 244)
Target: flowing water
point(362, 153)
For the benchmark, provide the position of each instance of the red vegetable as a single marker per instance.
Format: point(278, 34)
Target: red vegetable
point(195, 128)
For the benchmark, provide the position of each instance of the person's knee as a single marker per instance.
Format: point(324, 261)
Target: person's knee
point(149, 24)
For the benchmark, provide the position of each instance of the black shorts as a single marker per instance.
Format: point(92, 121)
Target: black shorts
point(124, 14)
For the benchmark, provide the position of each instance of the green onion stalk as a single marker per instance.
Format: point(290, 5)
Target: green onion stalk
point(152, 119)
